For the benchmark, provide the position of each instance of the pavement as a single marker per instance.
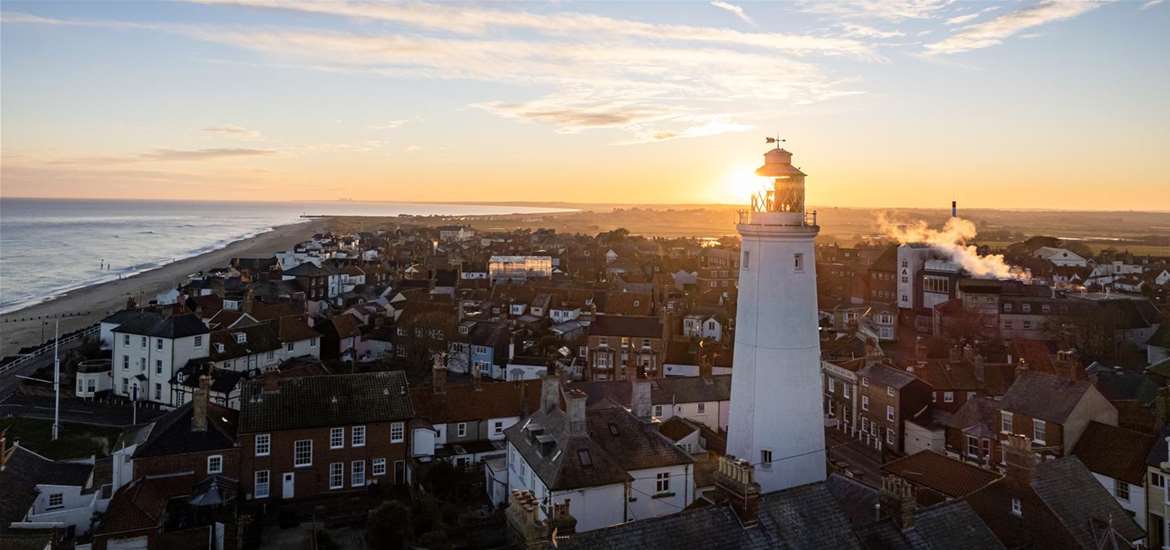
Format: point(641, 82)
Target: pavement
point(850, 454)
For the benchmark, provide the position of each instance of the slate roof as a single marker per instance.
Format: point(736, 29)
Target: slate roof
point(1078, 500)
point(632, 443)
point(23, 470)
point(944, 475)
point(257, 339)
point(626, 325)
point(295, 329)
point(663, 391)
point(887, 376)
point(306, 269)
point(141, 503)
point(463, 402)
point(805, 517)
point(1115, 452)
point(172, 433)
point(1048, 397)
point(153, 325)
point(326, 400)
point(563, 468)
point(976, 416)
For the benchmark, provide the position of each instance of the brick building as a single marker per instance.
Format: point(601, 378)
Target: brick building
point(618, 343)
point(319, 435)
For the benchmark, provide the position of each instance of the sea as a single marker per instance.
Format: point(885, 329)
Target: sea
point(51, 246)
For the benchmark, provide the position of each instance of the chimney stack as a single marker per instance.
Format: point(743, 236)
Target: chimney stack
point(1019, 458)
point(475, 378)
point(575, 411)
point(439, 375)
point(1161, 408)
point(562, 521)
point(550, 393)
point(1021, 368)
point(640, 401)
point(955, 354)
point(735, 478)
point(706, 361)
point(249, 300)
point(526, 530)
point(897, 497)
point(199, 405)
point(968, 352)
point(980, 368)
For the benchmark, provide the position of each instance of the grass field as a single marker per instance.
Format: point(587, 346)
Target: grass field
point(76, 441)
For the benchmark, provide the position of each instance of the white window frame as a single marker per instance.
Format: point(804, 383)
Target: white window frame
point(1017, 507)
point(397, 432)
point(461, 429)
point(307, 447)
point(59, 497)
point(358, 436)
point(215, 464)
point(657, 410)
point(865, 403)
point(337, 438)
point(336, 475)
point(890, 413)
point(890, 391)
point(948, 397)
point(830, 384)
point(263, 444)
point(378, 467)
point(1120, 487)
point(1005, 422)
point(1039, 430)
point(261, 488)
point(766, 458)
point(662, 482)
point(357, 474)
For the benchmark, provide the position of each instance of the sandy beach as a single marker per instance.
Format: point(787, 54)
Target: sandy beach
point(83, 307)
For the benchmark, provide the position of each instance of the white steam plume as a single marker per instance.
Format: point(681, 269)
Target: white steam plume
point(951, 241)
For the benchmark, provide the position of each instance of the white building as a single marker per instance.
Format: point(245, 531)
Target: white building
point(519, 268)
point(1060, 257)
point(47, 493)
point(608, 464)
point(911, 261)
point(776, 411)
point(149, 349)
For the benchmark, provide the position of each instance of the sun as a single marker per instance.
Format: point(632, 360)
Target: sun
point(738, 185)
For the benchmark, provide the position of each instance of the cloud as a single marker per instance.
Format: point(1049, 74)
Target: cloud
point(204, 154)
point(388, 125)
point(587, 72)
point(962, 19)
point(865, 31)
point(232, 131)
point(1151, 3)
point(734, 9)
point(412, 148)
point(889, 10)
point(994, 31)
point(474, 21)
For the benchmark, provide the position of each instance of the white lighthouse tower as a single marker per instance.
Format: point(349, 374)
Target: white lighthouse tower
point(776, 420)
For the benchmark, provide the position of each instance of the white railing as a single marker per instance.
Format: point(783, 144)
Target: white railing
point(47, 348)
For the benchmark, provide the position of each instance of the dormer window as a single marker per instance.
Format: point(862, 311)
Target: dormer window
point(219, 347)
point(1017, 507)
point(241, 337)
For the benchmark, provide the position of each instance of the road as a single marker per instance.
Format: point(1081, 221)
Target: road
point(77, 411)
point(863, 461)
point(9, 381)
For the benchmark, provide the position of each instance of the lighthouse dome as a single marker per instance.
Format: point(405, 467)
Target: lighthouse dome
point(778, 164)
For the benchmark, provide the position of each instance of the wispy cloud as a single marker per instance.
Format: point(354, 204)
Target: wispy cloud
point(205, 154)
point(1151, 3)
point(866, 31)
point(994, 31)
point(889, 10)
point(734, 10)
point(232, 131)
point(388, 125)
point(967, 18)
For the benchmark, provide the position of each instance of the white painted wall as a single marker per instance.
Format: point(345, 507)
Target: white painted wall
point(1135, 504)
point(647, 502)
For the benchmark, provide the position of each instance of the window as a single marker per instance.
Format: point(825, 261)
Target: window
point(336, 438)
point(199, 344)
point(303, 452)
point(263, 444)
point(890, 391)
point(948, 397)
point(662, 482)
point(830, 384)
point(1121, 489)
point(890, 413)
point(313, 342)
point(845, 389)
point(56, 500)
point(215, 464)
point(358, 437)
point(1038, 430)
point(357, 476)
point(397, 431)
point(657, 410)
point(891, 436)
point(1157, 480)
point(158, 366)
point(125, 339)
point(798, 262)
point(1017, 508)
point(378, 467)
point(260, 483)
point(747, 260)
point(766, 458)
point(1045, 308)
point(125, 361)
point(701, 408)
point(498, 427)
point(461, 429)
point(1007, 307)
point(157, 392)
point(864, 382)
point(143, 342)
point(158, 343)
point(865, 402)
point(972, 446)
point(1005, 423)
point(1026, 308)
point(336, 475)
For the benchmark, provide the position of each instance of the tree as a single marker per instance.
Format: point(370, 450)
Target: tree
point(388, 526)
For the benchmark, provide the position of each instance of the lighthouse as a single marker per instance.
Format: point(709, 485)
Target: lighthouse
point(776, 420)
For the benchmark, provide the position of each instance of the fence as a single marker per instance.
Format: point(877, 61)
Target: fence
point(47, 347)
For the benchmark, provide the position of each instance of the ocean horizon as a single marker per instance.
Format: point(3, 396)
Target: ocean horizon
point(49, 247)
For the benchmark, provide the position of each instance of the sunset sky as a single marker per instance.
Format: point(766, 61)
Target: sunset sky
point(903, 103)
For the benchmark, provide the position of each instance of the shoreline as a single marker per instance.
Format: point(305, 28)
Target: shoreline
point(82, 307)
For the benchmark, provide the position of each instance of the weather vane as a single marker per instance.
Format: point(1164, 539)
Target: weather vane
point(775, 140)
